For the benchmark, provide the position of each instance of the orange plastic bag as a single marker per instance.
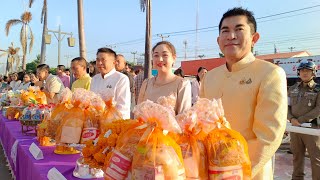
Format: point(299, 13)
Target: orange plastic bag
point(90, 129)
point(28, 97)
point(227, 154)
point(193, 150)
point(109, 115)
point(41, 98)
point(158, 156)
point(13, 113)
point(194, 156)
point(118, 164)
point(70, 127)
point(58, 113)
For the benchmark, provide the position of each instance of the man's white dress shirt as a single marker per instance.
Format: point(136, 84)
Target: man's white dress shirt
point(114, 84)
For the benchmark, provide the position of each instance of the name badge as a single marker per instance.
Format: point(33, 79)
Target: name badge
point(36, 151)
point(54, 174)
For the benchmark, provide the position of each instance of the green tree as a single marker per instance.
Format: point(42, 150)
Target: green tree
point(32, 66)
point(53, 71)
point(25, 34)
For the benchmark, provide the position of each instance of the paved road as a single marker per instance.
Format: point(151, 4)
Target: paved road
point(283, 165)
point(4, 171)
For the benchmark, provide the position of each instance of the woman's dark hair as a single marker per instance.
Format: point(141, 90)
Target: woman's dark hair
point(179, 72)
point(21, 75)
point(169, 46)
point(200, 69)
point(93, 63)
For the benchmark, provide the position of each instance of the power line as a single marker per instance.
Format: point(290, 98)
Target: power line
point(213, 28)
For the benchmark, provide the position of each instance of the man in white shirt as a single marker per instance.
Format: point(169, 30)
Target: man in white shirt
point(52, 85)
point(110, 83)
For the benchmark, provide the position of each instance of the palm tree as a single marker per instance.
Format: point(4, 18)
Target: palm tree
point(12, 58)
point(25, 34)
point(44, 19)
point(146, 5)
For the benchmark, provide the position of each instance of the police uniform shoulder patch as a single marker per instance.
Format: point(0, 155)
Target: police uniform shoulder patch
point(317, 88)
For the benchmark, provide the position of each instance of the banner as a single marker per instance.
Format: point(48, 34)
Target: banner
point(291, 65)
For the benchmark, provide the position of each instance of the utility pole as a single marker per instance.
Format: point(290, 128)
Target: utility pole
point(185, 49)
point(58, 34)
point(82, 40)
point(162, 37)
point(275, 49)
point(291, 48)
point(197, 25)
point(134, 57)
point(67, 56)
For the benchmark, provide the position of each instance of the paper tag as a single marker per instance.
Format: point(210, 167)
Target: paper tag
point(70, 134)
point(308, 125)
point(14, 150)
point(36, 151)
point(108, 133)
point(54, 174)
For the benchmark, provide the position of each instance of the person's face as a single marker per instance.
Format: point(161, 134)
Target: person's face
point(163, 58)
point(128, 69)
point(306, 74)
point(202, 73)
point(67, 73)
point(78, 70)
point(42, 74)
point(120, 63)
point(105, 62)
point(33, 78)
point(26, 78)
point(59, 71)
point(91, 68)
point(236, 38)
point(14, 78)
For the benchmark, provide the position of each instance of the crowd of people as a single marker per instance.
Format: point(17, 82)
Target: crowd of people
point(253, 91)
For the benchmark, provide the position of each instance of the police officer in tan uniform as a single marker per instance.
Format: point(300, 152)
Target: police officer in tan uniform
point(304, 107)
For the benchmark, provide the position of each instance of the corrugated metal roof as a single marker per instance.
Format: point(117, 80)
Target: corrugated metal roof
point(190, 67)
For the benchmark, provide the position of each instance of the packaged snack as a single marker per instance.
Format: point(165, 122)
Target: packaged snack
point(157, 155)
point(227, 154)
point(71, 126)
point(57, 115)
point(227, 150)
point(193, 151)
point(118, 163)
point(13, 113)
point(109, 115)
point(97, 152)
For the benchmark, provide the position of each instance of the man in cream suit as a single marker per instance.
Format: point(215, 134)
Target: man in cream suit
point(253, 91)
